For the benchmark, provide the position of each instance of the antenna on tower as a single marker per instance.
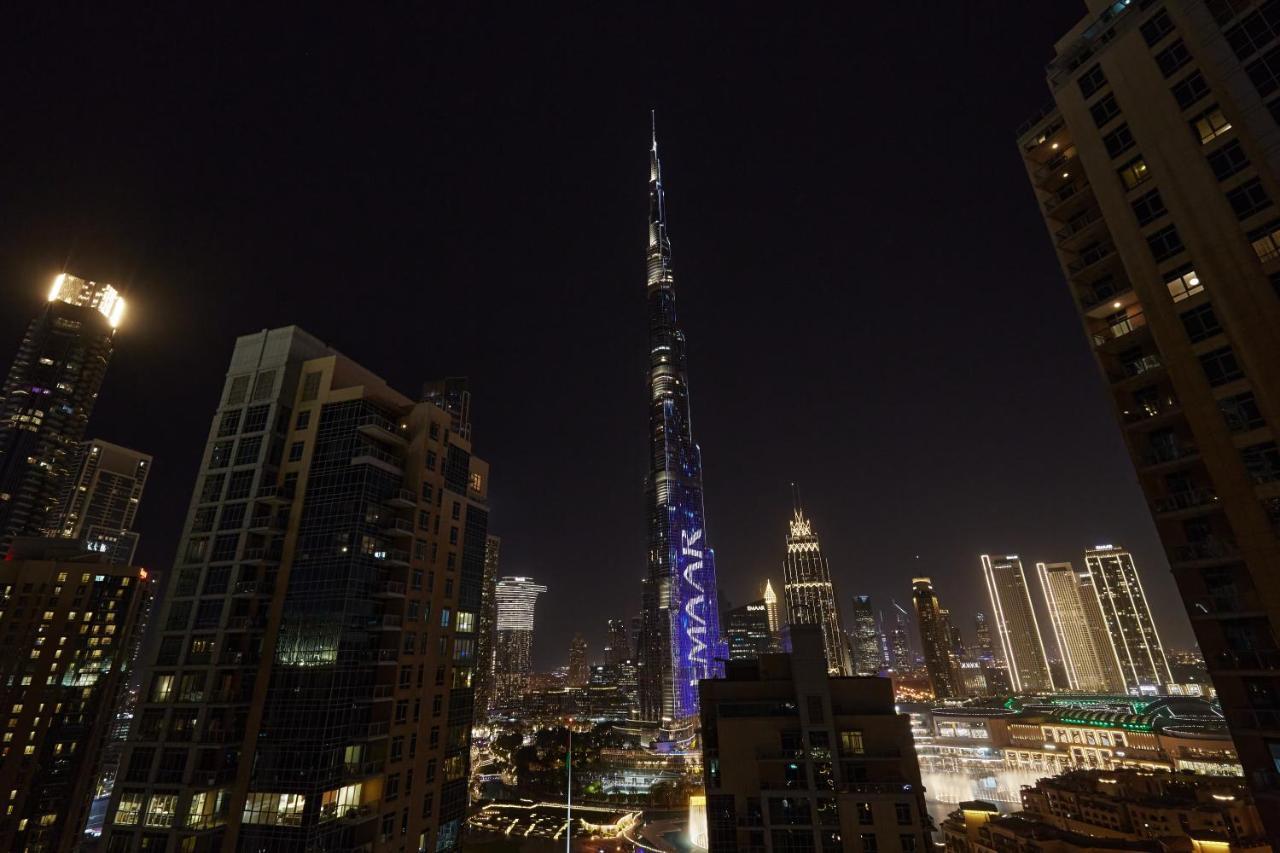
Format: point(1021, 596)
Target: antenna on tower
point(795, 498)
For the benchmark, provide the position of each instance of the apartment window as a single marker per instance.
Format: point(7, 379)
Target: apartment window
point(1104, 110)
point(232, 517)
point(1228, 160)
point(869, 842)
point(1201, 323)
point(1156, 27)
point(1133, 173)
point(1149, 207)
point(255, 419)
point(295, 451)
point(1091, 81)
point(248, 451)
point(1220, 366)
point(1210, 124)
point(1254, 32)
point(907, 843)
point(237, 390)
point(1266, 240)
point(1262, 461)
point(130, 809)
point(1265, 72)
point(1190, 89)
point(902, 811)
point(264, 385)
point(1118, 141)
point(1165, 243)
point(1173, 57)
point(220, 456)
point(1241, 412)
point(229, 423)
point(212, 488)
point(224, 547)
point(310, 387)
point(1248, 199)
point(303, 420)
point(239, 485)
point(1224, 10)
point(851, 743)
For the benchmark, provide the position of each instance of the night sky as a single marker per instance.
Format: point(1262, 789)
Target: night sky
point(872, 303)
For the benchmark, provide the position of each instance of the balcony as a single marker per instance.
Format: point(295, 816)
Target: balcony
point(1119, 329)
point(397, 527)
point(266, 523)
point(1192, 499)
point(392, 556)
point(1149, 412)
point(380, 430)
point(261, 554)
point(1133, 369)
point(1157, 457)
point(388, 462)
point(1206, 551)
point(1254, 720)
point(1091, 257)
point(274, 495)
point(1262, 661)
point(1227, 604)
point(1069, 200)
point(1106, 297)
point(388, 589)
point(1070, 236)
point(387, 622)
point(403, 499)
point(254, 587)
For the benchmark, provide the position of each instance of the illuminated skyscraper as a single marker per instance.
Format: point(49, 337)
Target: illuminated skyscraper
point(329, 572)
point(487, 629)
point(982, 631)
point(811, 597)
point(1017, 629)
point(747, 628)
point(1073, 614)
point(936, 639)
point(900, 655)
point(513, 656)
point(101, 498)
point(47, 398)
point(865, 640)
point(1127, 618)
point(681, 631)
point(771, 608)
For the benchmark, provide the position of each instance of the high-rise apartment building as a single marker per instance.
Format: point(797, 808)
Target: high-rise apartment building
point(579, 670)
point(681, 631)
point(1016, 627)
point(747, 628)
point(795, 759)
point(68, 618)
point(513, 651)
point(807, 585)
point(47, 398)
point(101, 498)
point(936, 638)
point(1155, 168)
point(311, 687)
point(866, 643)
point(1090, 666)
point(1127, 618)
point(617, 643)
point(487, 629)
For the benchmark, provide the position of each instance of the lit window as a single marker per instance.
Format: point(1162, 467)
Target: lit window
point(1185, 285)
point(1210, 125)
point(160, 810)
point(129, 809)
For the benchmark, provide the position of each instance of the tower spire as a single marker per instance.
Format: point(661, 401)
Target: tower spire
point(795, 500)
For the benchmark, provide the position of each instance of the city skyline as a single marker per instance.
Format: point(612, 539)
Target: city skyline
point(182, 303)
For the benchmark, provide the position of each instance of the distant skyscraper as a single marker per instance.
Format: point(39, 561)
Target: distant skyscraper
point(681, 641)
point(101, 498)
point(487, 629)
point(957, 640)
point(310, 570)
point(770, 599)
point(1127, 616)
point(866, 642)
point(62, 680)
point(900, 656)
point(748, 630)
point(617, 646)
point(47, 398)
point(1087, 666)
point(452, 395)
point(517, 600)
point(579, 666)
point(982, 632)
point(935, 639)
point(811, 597)
point(1016, 626)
